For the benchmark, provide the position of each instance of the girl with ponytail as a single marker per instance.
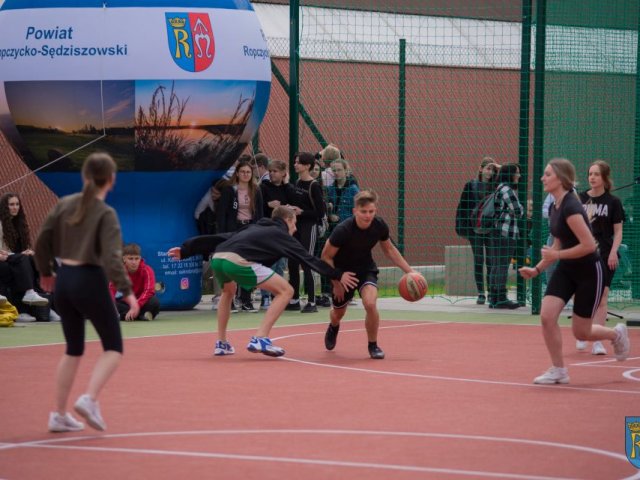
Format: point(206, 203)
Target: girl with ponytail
point(83, 233)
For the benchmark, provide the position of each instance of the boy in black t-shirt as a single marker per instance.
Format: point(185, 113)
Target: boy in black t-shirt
point(349, 248)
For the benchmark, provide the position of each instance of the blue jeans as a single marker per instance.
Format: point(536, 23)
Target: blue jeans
point(277, 267)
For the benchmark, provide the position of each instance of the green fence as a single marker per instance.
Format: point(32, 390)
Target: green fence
point(416, 95)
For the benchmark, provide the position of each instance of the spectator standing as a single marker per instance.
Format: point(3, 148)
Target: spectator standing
point(276, 191)
point(308, 200)
point(504, 235)
point(472, 194)
point(240, 205)
point(262, 167)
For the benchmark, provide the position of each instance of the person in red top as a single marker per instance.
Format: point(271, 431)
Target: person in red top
point(143, 282)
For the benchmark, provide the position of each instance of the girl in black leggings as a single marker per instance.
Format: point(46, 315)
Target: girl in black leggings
point(578, 274)
point(84, 233)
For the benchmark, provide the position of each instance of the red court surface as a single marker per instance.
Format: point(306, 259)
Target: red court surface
point(451, 400)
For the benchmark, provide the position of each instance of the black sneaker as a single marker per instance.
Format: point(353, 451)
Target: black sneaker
point(323, 301)
point(331, 336)
point(309, 308)
point(506, 305)
point(293, 307)
point(248, 307)
point(481, 299)
point(376, 352)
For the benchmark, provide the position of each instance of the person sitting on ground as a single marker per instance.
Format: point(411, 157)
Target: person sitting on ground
point(242, 258)
point(17, 269)
point(143, 281)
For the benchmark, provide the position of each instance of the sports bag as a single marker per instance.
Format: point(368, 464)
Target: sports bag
point(8, 314)
point(484, 214)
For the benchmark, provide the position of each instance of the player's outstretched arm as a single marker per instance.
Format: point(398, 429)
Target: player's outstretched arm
point(393, 254)
point(203, 245)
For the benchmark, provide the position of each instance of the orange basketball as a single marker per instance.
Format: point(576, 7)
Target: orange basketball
point(412, 287)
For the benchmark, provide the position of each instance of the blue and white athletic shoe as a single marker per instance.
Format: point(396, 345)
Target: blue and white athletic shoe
point(263, 345)
point(223, 348)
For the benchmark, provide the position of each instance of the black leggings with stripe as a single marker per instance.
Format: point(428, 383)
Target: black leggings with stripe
point(306, 234)
point(582, 279)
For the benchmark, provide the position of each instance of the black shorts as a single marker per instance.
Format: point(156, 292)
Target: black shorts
point(364, 278)
point(583, 280)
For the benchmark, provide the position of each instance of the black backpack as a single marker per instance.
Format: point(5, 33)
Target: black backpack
point(484, 214)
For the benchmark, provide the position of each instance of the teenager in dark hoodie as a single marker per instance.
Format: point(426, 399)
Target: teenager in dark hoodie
point(241, 257)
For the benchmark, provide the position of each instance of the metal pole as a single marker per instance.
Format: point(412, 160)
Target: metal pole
point(538, 140)
point(294, 87)
point(523, 148)
point(303, 111)
point(635, 199)
point(402, 92)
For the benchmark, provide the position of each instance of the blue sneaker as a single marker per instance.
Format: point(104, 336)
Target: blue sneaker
point(263, 345)
point(223, 348)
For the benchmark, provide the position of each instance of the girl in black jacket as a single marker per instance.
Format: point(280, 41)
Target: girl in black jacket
point(472, 194)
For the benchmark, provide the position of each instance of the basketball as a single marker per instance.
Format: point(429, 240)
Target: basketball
point(412, 287)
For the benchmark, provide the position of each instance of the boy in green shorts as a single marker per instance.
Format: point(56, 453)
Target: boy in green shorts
point(241, 257)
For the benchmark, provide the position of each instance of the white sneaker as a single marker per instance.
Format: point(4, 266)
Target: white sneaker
point(3, 299)
point(581, 345)
point(598, 349)
point(32, 298)
point(215, 300)
point(64, 423)
point(621, 344)
point(53, 316)
point(148, 316)
point(90, 411)
point(552, 376)
point(25, 318)
point(223, 348)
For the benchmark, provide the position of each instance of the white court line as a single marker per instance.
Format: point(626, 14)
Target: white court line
point(56, 444)
point(630, 374)
point(293, 325)
point(438, 377)
point(205, 332)
point(600, 363)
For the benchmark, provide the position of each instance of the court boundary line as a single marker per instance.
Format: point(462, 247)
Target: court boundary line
point(55, 444)
point(325, 322)
point(288, 358)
